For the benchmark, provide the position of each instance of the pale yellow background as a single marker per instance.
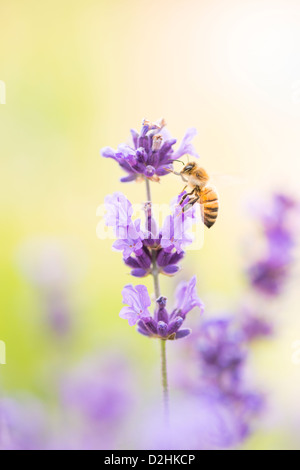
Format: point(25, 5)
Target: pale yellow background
point(79, 74)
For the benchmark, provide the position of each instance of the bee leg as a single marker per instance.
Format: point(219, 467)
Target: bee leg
point(185, 196)
point(190, 204)
point(184, 188)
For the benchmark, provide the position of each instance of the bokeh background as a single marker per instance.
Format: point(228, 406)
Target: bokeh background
point(80, 74)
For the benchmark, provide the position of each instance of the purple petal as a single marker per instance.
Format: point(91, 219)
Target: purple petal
point(143, 295)
point(142, 332)
point(135, 136)
point(144, 259)
point(183, 333)
point(176, 257)
point(187, 297)
point(151, 325)
point(139, 272)
point(170, 270)
point(162, 328)
point(164, 170)
point(161, 313)
point(142, 327)
point(174, 325)
point(149, 171)
point(108, 152)
point(127, 179)
point(131, 262)
point(128, 314)
point(186, 146)
point(163, 258)
point(130, 297)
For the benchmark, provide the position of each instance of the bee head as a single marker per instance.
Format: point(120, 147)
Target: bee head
point(188, 168)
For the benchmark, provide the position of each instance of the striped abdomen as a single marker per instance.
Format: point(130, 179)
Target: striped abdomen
point(210, 205)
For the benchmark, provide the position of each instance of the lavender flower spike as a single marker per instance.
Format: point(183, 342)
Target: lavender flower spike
point(153, 251)
point(223, 356)
point(163, 325)
point(151, 153)
point(136, 244)
point(138, 300)
point(269, 274)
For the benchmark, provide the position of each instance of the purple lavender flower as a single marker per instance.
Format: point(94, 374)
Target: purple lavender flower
point(137, 244)
point(155, 250)
point(254, 326)
point(59, 313)
point(118, 216)
point(138, 301)
point(162, 325)
point(277, 212)
point(268, 275)
point(22, 424)
point(200, 423)
point(223, 354)
point(187, 298)
point(49, 266)
point(96, 400)
point(90, 388)
point(151, 154)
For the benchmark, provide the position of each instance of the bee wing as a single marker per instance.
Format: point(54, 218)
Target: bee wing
point(223, 180)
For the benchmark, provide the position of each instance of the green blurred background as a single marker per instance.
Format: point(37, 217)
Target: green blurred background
point(79, 74)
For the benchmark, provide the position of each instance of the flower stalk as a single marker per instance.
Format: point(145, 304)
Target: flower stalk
point(164, 375)
point(155, 275)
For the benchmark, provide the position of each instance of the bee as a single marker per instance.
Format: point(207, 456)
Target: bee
point(202, 192)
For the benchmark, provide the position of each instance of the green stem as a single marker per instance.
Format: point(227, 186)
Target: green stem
point(155, 274)
point(164, 375)
point(148, 190)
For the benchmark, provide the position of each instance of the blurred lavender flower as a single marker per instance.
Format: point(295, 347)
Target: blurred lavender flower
point(269, 274)
point(22, 424)
point(223, 355)
point(201, 422)
point(163, 325)
point(52, 268)
point(91, 389)
point(223, 343)
point(254, 326)
point(151, 154)
point(58, 312)
point(96, 406)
